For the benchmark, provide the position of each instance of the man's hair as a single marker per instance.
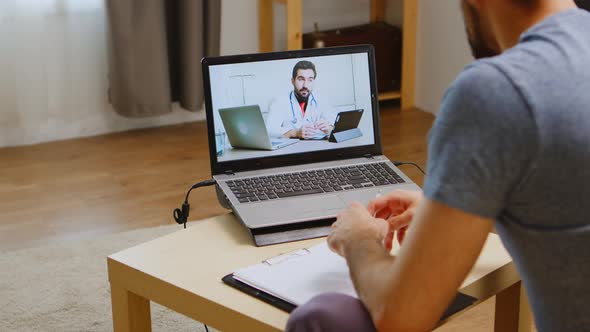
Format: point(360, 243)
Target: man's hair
point(304, 65)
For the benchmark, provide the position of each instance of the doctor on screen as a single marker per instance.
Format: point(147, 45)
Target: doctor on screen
point(298, 113)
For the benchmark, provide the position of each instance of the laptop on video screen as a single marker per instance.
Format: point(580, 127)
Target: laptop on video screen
point(294, 138)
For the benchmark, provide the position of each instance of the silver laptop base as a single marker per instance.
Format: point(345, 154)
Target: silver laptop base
point(266, 236)
point(292, 232)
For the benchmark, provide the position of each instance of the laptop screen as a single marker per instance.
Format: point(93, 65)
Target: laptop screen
point(291, 106)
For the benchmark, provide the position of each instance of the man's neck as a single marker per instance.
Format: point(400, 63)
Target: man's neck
point(509, 21)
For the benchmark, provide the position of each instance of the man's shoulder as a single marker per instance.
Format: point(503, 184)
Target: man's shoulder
point(482, 89)
point(482, 75)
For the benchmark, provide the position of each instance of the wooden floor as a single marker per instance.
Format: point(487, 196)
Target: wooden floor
point(87, 187)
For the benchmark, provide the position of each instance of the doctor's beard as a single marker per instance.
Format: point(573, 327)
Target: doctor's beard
point(300, 95)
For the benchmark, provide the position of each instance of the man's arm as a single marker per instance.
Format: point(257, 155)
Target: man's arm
point(411, 291)
point(291, 134)
point(473, 168)
point(306, 131)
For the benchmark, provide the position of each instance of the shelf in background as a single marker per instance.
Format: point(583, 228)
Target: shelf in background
point(390, 95)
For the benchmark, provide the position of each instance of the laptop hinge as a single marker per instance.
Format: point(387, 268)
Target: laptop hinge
point(368, 156)
point(229, 172)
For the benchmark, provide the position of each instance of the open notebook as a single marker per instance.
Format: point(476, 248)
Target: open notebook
point(290, 280)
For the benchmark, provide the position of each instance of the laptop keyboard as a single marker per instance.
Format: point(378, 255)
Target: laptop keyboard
point(273, 187)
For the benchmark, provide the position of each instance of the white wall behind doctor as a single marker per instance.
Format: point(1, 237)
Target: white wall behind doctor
point(258, 82)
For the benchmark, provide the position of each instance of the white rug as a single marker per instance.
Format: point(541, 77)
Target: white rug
point(65, 287)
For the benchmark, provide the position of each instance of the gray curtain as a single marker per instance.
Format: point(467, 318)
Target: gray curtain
point(155, 50)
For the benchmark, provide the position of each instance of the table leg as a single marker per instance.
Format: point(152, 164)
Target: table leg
point(131, 312)
point(513, 313)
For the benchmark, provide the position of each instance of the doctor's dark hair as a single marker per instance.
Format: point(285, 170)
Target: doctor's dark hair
point(304, 65)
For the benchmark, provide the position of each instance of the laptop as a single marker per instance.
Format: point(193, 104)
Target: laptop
point(246, 129)
point(296, 192)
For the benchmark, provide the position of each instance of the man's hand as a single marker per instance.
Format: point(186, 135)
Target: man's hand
point(353, 225)
point(307, 131)
point(442, 241)
point(324, 126)
point(398, 208)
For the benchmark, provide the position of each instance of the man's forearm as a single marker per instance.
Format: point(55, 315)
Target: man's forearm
point(290, 134)
point(370, 269)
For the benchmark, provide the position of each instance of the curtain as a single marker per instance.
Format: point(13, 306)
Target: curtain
point(52, 69)
point(155, 50)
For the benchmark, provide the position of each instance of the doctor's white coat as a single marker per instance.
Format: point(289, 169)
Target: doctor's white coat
point(285, 113)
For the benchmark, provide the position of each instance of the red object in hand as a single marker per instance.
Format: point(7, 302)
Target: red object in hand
point(401, 233)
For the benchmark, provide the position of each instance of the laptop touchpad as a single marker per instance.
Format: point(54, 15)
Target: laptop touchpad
point(305, 207)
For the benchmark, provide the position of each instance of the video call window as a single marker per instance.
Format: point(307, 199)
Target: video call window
point(279, 107)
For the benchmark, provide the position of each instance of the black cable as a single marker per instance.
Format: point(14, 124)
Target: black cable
point(399, 163)
point(181, 215)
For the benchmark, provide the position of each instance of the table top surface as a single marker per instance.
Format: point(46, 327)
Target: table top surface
point(195, 259)
point(301, 146)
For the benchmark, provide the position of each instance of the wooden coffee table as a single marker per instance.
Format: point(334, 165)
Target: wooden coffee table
point(183, 272)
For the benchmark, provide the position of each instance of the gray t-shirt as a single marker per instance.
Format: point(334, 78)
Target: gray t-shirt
point(512, 143)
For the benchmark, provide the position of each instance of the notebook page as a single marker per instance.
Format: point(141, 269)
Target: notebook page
point(301, 275)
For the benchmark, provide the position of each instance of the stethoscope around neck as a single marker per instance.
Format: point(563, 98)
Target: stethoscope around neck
point(294, 119)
